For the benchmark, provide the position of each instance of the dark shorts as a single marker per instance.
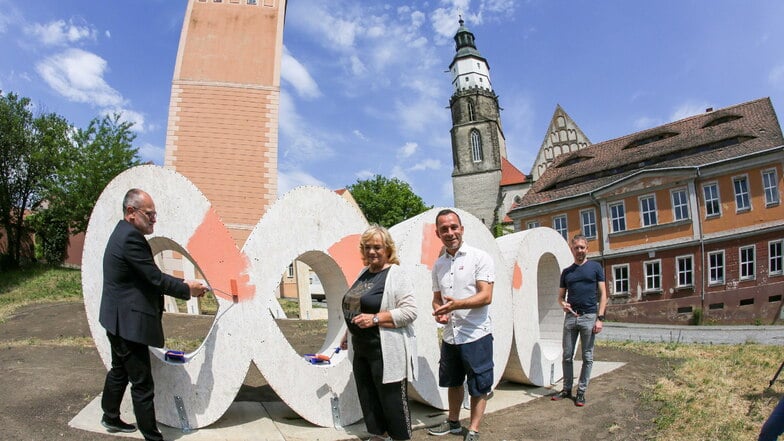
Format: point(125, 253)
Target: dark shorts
point(473, 360)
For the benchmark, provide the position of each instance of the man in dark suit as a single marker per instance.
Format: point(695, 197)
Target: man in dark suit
point(131, 312)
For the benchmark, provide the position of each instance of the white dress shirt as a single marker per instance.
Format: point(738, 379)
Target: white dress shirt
point(456, 277)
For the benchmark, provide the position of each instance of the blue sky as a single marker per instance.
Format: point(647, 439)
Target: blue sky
point(364, 87)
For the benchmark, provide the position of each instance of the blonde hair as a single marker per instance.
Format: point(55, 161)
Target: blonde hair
point(386, 239)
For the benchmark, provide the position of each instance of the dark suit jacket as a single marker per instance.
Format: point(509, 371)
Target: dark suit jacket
point(133, 288)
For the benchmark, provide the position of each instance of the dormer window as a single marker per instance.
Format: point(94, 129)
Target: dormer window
point(574, 159)
point(721, 120)
point(649, 139)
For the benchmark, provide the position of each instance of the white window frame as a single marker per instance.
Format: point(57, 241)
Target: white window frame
point(290, 271)
point(770, 186)
point(682, 273)
point(742, 198)
point(776, 257)
point(591, 225)
point(471, 111)
point(649, 278)
point(533, 224)
point(680, 207)
point(648, 215)
point(620, 280)
point(565, 232)
point(713, 200)
point(713, 270)
point(616, 220)
point(746, 267)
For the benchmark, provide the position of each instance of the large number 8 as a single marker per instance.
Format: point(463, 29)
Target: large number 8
point(321, 229)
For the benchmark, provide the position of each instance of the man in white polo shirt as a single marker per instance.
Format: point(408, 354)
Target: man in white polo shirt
point(462, 292)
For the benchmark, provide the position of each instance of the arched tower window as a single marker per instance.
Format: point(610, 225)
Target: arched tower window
point(476, 146)
point(471, 112)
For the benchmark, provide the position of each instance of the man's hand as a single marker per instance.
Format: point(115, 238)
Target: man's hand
point(568, 309)
point(442, 318)
point(597, 327)
point(446, 307)
point(197, 288)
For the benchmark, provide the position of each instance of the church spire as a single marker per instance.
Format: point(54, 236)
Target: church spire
point(469, 69)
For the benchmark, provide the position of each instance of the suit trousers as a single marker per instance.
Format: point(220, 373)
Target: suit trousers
point(131, 362)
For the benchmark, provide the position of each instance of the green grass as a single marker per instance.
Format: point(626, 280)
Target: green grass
point(716, 392)
point(37, 284)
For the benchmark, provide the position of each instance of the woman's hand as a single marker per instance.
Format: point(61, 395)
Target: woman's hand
point(364, 320)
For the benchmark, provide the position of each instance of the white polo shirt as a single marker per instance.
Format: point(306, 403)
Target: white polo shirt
point(456, 277)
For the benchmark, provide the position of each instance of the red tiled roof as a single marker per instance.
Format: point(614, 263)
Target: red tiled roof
point(510, 175)
point(340, 191)
point(699, 140)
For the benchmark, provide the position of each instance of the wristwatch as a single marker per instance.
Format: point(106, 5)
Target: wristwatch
point(375, 319)
point(600, 317)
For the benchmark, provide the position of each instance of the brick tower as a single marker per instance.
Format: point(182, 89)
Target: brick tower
point(223, 114)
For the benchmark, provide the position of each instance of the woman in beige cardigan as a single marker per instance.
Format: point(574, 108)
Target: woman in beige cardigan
point(379, 310)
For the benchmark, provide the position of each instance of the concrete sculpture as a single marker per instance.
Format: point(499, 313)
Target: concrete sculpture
point(318, 227)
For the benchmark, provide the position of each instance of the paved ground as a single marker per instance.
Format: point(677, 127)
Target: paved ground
point(45, 385)
point(766, 335)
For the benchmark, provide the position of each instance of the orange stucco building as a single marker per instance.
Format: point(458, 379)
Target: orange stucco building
point(223, 113)
point(686, 218)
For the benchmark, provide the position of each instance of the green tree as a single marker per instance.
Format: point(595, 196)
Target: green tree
point(94, 157)
point(386, 202)
point(97, 154)
point(32, 149)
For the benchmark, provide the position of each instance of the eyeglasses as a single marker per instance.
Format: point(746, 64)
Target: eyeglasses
point(150, 215)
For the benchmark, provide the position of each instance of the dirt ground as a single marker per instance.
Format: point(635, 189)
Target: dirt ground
point(44, 386)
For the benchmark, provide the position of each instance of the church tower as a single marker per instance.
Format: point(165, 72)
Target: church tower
point(478, 144)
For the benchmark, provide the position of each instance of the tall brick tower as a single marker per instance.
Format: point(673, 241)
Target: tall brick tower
point(223, 114)
point(478, 143)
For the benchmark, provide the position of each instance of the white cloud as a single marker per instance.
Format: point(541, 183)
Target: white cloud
point(357, 66)
point(398, 172)
point(427, 164)
point(687, 109)
point(359, 135)
point(323, 19)
point(420, 114)
point(444, 20)
point(60, 33)
point(407, 150)
point(364, 174)
point(131, 116)
point(776, 76)
point(78, 76)
point(9, 14)
point(501, 7)
point(149, 152)
point(645, 122)
point(298, 141)
point(297, 75)
point(290, 179)
point(417, 18)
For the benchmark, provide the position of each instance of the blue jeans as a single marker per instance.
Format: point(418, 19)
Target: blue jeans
point(774, 425)
point(581, 326)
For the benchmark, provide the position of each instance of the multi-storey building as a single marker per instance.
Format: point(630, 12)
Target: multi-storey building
point(685, 217)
